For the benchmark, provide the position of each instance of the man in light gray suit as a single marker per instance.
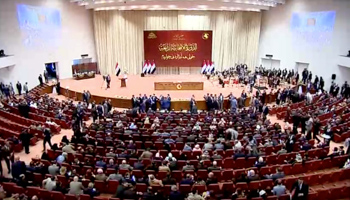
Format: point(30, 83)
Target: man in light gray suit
point(53, 169)
point(76, 187)
point(279, 189)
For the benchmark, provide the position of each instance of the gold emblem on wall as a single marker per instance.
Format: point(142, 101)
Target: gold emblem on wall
point(152, 35)
point(205, 36)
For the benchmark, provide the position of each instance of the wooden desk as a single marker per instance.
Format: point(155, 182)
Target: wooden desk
point(178, 85)
point(122, 82)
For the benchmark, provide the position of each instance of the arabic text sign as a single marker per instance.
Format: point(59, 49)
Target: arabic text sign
point(178, 48)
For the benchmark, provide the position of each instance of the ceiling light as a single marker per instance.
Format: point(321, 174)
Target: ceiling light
point(202, 6)
point(172, 6)
point(156, 6)
point(143, 7)
point(134, 7)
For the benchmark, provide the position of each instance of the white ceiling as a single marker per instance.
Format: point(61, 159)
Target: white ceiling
point(227, 5)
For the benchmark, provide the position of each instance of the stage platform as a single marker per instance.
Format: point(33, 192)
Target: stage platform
point(121, 97)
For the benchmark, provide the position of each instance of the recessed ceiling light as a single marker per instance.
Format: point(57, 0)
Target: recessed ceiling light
point(202, 6)
point(134, 7)
point(143, 7)
point(156, 6)
point(172, 6)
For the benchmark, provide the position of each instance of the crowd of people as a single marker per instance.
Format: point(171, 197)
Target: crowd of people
point(110, 147)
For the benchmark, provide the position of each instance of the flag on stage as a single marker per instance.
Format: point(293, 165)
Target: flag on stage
point(117, 70)
point(212, 67)
point(208, 66)
point(144, 69)
point(149, 67)
point(204, 67)
point(153, 67)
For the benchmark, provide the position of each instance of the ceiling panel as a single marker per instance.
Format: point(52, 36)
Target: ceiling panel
point(227, 5)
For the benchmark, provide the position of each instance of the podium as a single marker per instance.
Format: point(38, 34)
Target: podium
point(122, 82)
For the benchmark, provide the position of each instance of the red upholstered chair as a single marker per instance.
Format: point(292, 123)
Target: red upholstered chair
point(44, 194)
point(324, 194)
point(101, 198)
point(176, 174)
point(141, 187)
point(71, 197)
point(242, 186)
point(18, 189)
point(112, 186)
point(167, 189)
point(228, 163)
point(272, 198)
point(38, 178)
point(284, 197)
point(8, 187)
point(214, 187)
point(84, 197)
point(240, 163)
point(254, 185)
point(289, 181)
point(58, 196)
point(266, 183)
point(202, 173)
point(200, 188)
point(185, 189)
point(101, 186)
point(31, 191)
point(227, 175)
point(265, 170)
point(228, 186)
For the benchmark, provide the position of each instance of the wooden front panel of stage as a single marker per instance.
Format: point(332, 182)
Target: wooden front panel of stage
point(178, 85)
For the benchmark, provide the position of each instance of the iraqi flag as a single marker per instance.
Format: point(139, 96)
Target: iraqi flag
point(208, 66)
point(212, 67)
point(117, 70)
point(144, 69)
point(204, 67)
point(153, 67)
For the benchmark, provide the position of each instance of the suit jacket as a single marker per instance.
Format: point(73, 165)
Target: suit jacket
point(300, 193)
point(75, 188)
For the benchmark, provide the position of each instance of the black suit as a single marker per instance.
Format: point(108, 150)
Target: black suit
point(300, 192)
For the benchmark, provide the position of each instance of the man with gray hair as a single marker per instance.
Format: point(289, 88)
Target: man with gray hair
point(76, 187)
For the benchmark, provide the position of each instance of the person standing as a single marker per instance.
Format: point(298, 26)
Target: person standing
point(6, 154)
point(40, 80)
point(108, 80)
point(19, 88)
point(25, 88)
point(25, 138)
point(58, 88)
point(12, 91)
point(47, 137)
point(46, 76)
point(300, 190)
point(221, 101)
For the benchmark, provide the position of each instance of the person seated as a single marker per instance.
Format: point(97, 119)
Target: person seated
point(188, 166)
point(100, 176)
point(49, 183)
point(260, 163)
point(214, 167)
point(251, 176)
point(168, 180)
point(111, 164)
point(187, 147)
point(216, 156)
point(124, 165)
point(197, 148)
point(101, 164)
point(154, 182)
point(68, 148)
point(115, 176)
point(279, 189)
point(279, 174)
point(170, 157)
point(188, 180)
point(164, 167)
point(211, 179)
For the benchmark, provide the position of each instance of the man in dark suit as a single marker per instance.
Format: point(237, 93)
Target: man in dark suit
point(19, 88)
point(300, 190)
point(18, 168)
point(41, 80)
point(108, 80)
point(25, 138)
